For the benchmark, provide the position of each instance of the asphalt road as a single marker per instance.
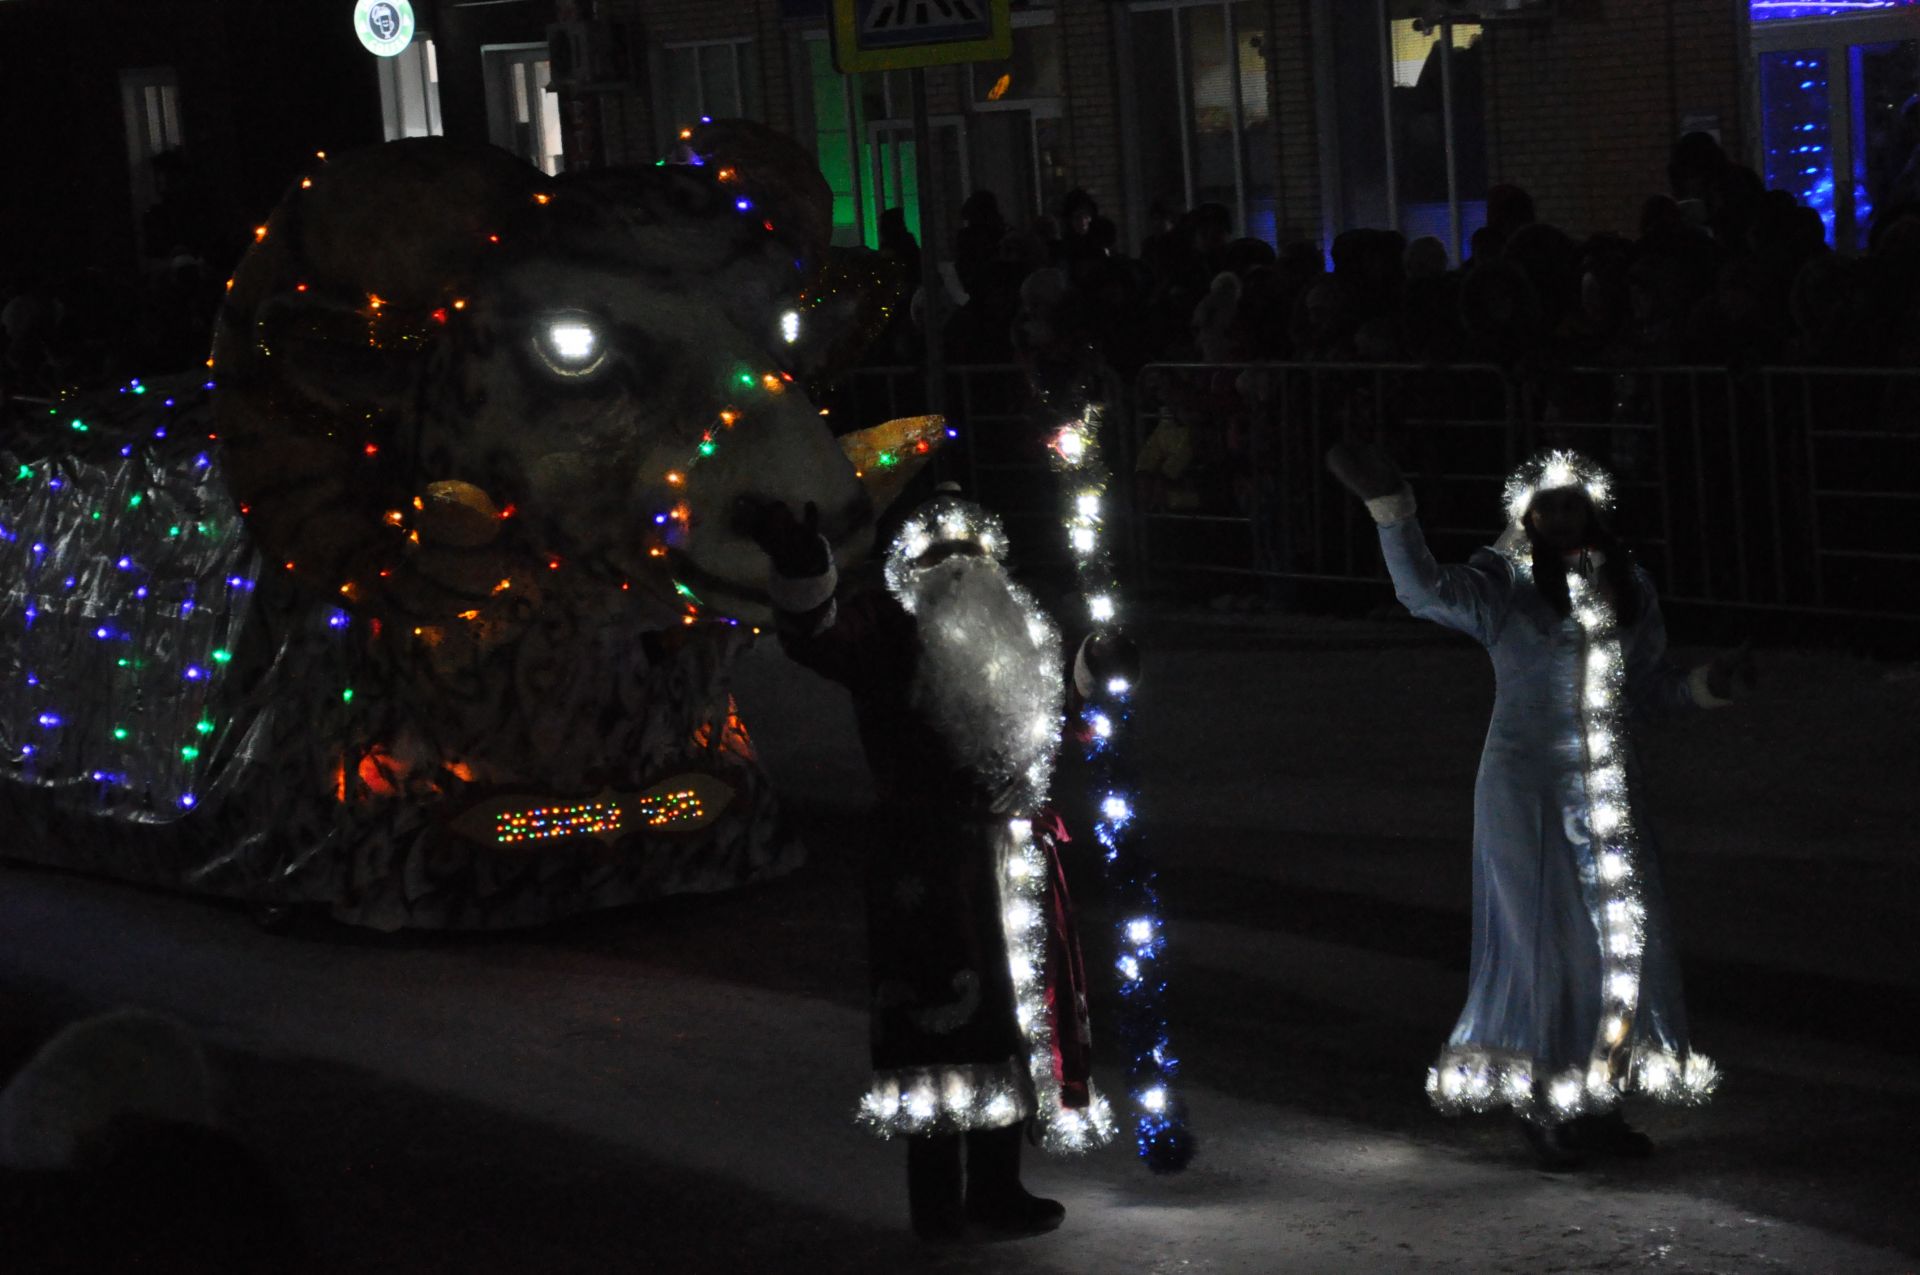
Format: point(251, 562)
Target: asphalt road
point(667, 1089)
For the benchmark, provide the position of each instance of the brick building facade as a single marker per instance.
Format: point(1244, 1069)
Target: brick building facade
point(1302, 117)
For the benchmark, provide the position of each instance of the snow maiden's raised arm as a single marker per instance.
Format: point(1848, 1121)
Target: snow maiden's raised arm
point(1471, 599)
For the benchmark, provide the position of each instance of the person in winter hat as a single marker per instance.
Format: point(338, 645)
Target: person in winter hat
point(978, 998)
point(1574, 995)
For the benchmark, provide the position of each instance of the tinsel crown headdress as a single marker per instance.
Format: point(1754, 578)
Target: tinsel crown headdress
point(1553, 470)
point(942, 520)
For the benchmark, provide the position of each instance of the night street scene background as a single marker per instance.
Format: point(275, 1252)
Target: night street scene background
point(959, 636)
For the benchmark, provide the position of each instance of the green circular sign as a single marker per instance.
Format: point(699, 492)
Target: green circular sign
point(384, 26)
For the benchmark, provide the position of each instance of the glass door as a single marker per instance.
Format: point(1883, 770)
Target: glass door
point(1839, 103)
point(523, 112)
point(893, 180)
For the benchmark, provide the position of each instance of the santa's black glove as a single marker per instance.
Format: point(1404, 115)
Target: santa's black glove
point(795, 545)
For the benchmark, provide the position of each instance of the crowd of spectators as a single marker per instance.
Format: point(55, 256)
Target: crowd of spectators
point(1720, 271)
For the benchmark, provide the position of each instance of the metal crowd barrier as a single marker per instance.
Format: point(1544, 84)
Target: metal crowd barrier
point(1787, 489)
point(1793, 489)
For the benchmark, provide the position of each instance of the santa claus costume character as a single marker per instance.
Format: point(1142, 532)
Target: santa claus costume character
point(978, 1027)
point(1574, 995)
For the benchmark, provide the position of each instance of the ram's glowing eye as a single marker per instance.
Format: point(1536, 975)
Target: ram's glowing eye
point(570, 346)
point(572, 342)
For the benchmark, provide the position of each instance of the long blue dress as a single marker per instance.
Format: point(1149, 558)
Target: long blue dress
point(1574, 993)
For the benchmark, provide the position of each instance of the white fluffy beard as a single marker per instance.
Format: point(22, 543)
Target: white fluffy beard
point(989, 677)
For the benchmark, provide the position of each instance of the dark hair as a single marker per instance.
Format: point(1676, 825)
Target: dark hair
point(1616, 568)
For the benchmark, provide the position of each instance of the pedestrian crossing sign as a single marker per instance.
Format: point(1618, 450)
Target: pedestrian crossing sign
point(887, 35)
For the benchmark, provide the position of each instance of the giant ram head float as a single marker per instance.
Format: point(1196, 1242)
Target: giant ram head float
point(470, 546)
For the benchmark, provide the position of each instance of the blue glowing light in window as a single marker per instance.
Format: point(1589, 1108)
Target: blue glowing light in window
point(1776, 10)
point(1796, 128)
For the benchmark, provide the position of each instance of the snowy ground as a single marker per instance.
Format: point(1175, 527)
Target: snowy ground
point(667, 1089)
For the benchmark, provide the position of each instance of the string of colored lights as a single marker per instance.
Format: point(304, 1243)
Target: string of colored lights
point(133, 580)
point(1160, 1124)
point(1477, 1079)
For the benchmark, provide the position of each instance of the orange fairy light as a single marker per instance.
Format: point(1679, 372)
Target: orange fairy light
point(259, 233)
point(542, 198)
point(675, 478)
point(460, 303)
point(728, 416)
point(503, 586)
point(230, 285)
point(686, 134)
point(298, 287)
point(372, 449)
point(394, 517)
point(725, 174)
point(374, 301)
point(306, 183)
point(772, 382)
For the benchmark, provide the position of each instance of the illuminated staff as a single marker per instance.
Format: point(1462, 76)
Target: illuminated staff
point(1107, 681)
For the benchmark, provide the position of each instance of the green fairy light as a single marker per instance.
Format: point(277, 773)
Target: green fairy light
point(707, 447)
point(96, 515)
point(26, 472)
point(123, 661)
point(174, 530)
point(746, 378)
point(120, 732)
point(189, 753)
point(221, 657)
point(204, 726)
point(888, 460)
point(79, 426)
point(133, 501)
point(346, 696)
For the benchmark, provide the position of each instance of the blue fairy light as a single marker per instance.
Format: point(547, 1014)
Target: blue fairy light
point(1161, 1136)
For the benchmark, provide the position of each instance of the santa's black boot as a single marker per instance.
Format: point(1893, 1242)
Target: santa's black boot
point(996, 1202)
point(934, 1199)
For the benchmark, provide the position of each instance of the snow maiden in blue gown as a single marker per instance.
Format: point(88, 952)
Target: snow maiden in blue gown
point(1574, 997)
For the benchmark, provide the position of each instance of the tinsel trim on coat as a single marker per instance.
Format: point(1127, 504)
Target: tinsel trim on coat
point(946, 1099)
point(1473, 1079)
